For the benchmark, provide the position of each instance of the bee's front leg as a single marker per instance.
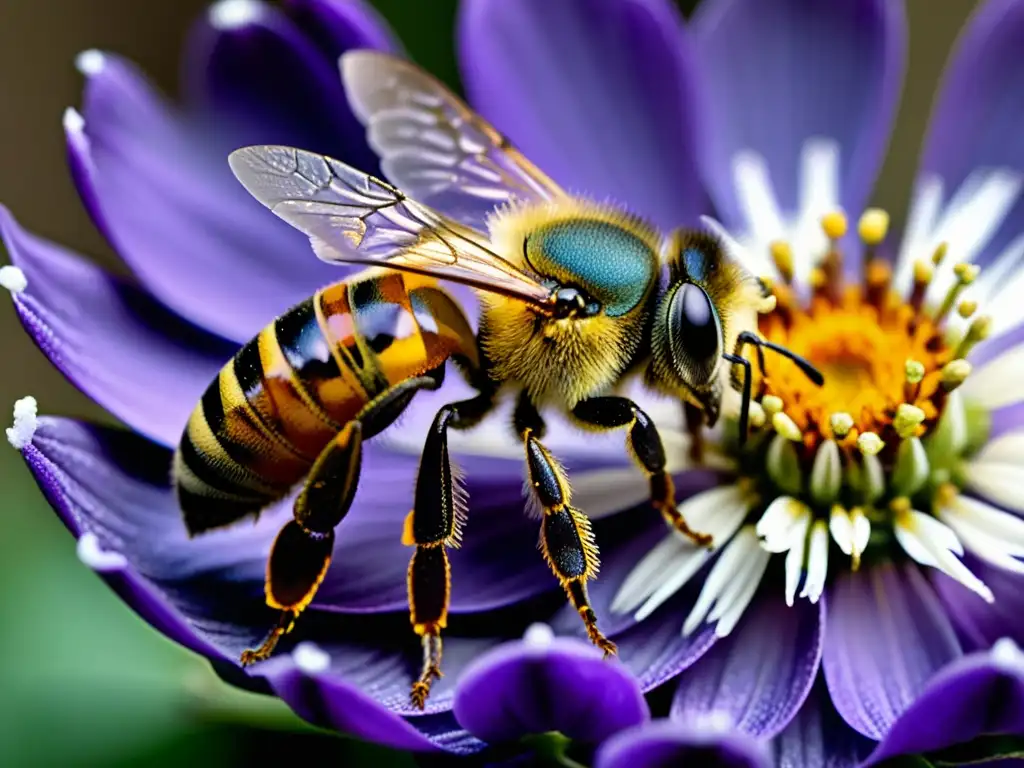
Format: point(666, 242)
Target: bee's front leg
point(606, 413)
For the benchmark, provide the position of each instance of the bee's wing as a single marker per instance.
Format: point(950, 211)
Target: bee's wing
point(433, 146)
point(353, 218)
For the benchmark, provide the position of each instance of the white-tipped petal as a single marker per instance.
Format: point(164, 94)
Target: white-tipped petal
point(731, 617)
point(817, 562)
point(90, 62)
point(861, 530)
point(13, 279)
point(989, 533)
point(997, 471)
point(932, 543)
point(26, 421)
point(795, 563)
point(672, 579)
point(726, 567)
point(997, 383)
point(94, 556)
point(841, 528)
point(311, 658)
point(784, 518)
point(643, 580)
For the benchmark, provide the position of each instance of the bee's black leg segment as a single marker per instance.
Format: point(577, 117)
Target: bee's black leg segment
point(432, 526)
point(745, 402)
point(566, 539)
point(607, 413)
point(302, 550)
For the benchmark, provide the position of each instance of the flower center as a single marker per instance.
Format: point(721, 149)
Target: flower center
point(876, 443)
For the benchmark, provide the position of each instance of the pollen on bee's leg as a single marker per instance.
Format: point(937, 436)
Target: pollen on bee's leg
point(13, 279)
point(26, 421)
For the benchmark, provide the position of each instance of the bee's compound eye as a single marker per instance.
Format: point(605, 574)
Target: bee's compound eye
point(695, 335)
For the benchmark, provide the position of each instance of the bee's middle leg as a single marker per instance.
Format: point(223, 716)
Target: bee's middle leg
point(566, 539)
point(607, 413)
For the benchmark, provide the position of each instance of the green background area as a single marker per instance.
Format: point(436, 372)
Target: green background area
point(83, 682)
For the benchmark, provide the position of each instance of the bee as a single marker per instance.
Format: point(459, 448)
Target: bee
point(576, 297)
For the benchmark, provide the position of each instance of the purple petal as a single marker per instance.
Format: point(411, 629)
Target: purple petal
point(976, 121)
point(167, 199)
point(818, 736)
point(543, 683)
point(755, 684)
point(497, 564)
point(982, 693)
point(336, 26)
point(664, 743)
point(109, 487)
point(602, 102)
point(888, 634)
point(780, 72)
point(978, 623)
point(113, 341)
point(249, 66)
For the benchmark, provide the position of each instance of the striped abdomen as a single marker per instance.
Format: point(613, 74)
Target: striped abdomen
point(263, 421)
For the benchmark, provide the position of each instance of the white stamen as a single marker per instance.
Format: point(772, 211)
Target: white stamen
point(538, 637)
point(817, 562)
point(26, 421)
point(1007, 655)
point(13, 279)
point(232, 14)
point(311, 658)
point(933, 543)
point(95, 557)
point(997, 383)
point(90, 63)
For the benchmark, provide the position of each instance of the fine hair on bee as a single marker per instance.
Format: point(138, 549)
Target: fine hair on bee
point(576, 298)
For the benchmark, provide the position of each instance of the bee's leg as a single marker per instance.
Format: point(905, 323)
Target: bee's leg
point(607, 413)
point(566, 539)
point(302, 550)
point(432, 526)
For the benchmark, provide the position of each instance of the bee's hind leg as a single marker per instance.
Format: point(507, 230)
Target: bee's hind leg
point(432, 527)
point(302, 550)
point(566, 539)
point(607, 413)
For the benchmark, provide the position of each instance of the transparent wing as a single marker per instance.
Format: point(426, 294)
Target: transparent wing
point(432, 145)
point(353, 218)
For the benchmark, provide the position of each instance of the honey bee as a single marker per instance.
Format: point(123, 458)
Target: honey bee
point(576, 296)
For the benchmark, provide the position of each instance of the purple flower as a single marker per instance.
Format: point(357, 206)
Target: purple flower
point(890, 496)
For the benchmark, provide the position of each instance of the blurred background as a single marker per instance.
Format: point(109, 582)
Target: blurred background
point(83, 682)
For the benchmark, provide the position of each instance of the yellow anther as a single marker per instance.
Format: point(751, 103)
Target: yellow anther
point(914, 371)
point(869, 443)
point(841, 424)
point(873, 226)
point(923, 272)
point(782, 255)
point(786, 427)
point(767, 305)
point(756, 416)
point(966, 273)
point(900, 505)
point(966, 308)
point(977, 331)
point(939, 253)
point(907, 419)
point(771, 404)
point(834, 224)
point(955, 373)
point(818, 278)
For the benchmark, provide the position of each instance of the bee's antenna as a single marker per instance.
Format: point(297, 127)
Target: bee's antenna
point(746, 337)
